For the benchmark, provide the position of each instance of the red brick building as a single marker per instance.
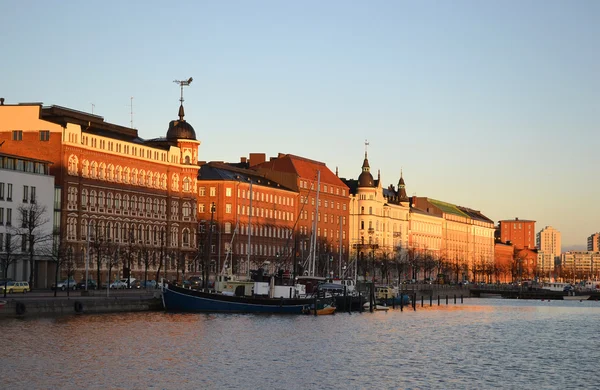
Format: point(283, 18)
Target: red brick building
point(331, 211)
point(504, 262)
point(135, 197)
point(240, 204)
point(521, 233)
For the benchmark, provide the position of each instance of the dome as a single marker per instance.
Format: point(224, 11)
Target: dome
point(180, 129)
point(365, 179)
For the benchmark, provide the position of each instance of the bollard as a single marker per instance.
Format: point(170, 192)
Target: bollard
point(415, 302)
point(401, 301)
point(361, 303)
point(438, 299)
point(455, 299)
point(461, 298)
point(394, 301)
point(421, 300)
point(315, 303)
point(446, 300)
point(371, 298)
point(430, 300)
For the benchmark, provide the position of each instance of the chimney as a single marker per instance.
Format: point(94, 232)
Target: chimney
point(1, 101)
point(516, 219)
point(243, 160)
point(257, 158)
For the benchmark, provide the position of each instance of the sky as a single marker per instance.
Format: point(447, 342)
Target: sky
point(492, 105)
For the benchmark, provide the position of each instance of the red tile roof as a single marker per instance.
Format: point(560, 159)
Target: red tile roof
point(303, 167)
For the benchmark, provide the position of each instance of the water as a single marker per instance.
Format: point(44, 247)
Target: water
point(484, 343)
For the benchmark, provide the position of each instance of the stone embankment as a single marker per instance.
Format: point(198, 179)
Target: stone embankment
point(78, 303)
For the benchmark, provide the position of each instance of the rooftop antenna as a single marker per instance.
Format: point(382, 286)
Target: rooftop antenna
point(93, 105)
point(131, 110)
point(182, 83)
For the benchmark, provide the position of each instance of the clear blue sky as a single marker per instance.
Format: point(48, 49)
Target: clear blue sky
point(492, 105)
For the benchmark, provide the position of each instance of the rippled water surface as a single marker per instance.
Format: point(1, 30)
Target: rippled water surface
point(483, 343)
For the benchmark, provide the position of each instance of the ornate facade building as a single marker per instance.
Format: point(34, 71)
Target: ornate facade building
point(379, 221)
point(246, 220)
point(131, 201)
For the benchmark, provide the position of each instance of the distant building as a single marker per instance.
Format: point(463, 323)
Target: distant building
point(580, 265)
point(520, 233)
point(593, 242)
point(504, 267)
point(25, 187)
point(548, 242)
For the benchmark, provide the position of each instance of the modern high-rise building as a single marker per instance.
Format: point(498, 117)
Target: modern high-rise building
point(593, 242)
point(548, 241)
point(519, 232)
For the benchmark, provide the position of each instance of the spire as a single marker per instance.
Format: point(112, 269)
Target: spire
point(181, 112)
point(401, 188)
point(379, 174)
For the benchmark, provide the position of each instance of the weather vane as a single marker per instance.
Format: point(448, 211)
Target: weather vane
point(182, 83)
point(366, 145)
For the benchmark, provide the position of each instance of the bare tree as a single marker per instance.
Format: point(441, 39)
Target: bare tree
point(57, 252)
point(33, 217)
point(112, 258)
point(8, 256)
point(97, 244)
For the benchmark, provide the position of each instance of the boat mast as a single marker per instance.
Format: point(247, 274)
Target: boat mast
point(341, 249)
point(314, 243)
point(249, 232)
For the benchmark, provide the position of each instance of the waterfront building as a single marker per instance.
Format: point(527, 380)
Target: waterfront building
point(548, 242)
point(580, 265)
point(326, 219)
point(379, 223)
point(243, 227)
point(27, 195)
point(593, 242)
point(131, 201)
point(466, 239)
point(504, 268)
point(521, 233)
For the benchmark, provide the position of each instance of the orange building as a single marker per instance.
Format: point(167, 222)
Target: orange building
point(504, 268)
point(521, 233)
point(134, 199)
point(252, 219)
point(331, 211)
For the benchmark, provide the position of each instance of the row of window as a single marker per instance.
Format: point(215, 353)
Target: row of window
point(126, 175)
point(261, 212)
point(127, 203)
point(29, 193)
point(129, 232)
point(324, 188)
point(8, 220)
point(111, 146)
point(17, 135)
point(17, 164)
point(328, 218)
point(304, 199)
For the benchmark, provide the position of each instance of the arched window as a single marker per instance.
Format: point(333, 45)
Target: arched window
point(186, 184)
point(186, 237)
point(102, 171)
point(134, 176)
point(362, 225)
point(186, 209)
point(163, 181)
point(175, 182)
point(101, 199)
point(111, 172)
point(155, 206)
point(85, 172)
point(133, 203)
point(109, 200)
point(370, 210)
point(94, 170)
point(126, 177)
point(142, 177)
point(93, 198)
point(73, 163)
point(118, 201)
point(84, 197)
point(118, 174)
point(148, 205)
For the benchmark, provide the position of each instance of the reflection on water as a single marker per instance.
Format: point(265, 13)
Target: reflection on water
point(480, 344)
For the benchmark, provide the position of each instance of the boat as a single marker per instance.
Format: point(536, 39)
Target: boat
point(179, 299)
point(576, 297)
point(323, 308)
point(389, 296)
point(376, 307)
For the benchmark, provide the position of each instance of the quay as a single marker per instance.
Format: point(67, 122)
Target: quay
point(44, 303)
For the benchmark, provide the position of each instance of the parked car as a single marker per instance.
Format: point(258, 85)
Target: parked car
point(70, 284)
point(91, 285)
point(136, 284)
point(121, 283)
point(195, 282)
point(13, 287)
point(149, 284)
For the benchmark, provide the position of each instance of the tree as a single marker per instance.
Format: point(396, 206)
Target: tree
point(58, 254)
point(33, 218)
point(96, 241)
point(8, 256)
point(112, 258)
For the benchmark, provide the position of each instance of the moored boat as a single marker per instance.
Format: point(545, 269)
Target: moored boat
point(180, 299)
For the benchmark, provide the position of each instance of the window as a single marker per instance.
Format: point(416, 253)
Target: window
point(17, 135)
point(228, 192)
point(32, 195)
point(24, 219)
point(44, 135)
point(1, 219)
point(25, 194)
point(213, 191)
point(1, 191)
point(8, 217)
point(9, 193)
point(202, 191)
point(228, 208)
point(201, 207)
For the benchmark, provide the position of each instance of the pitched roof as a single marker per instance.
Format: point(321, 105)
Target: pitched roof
point(222, 171)
point(303, 167)
point(448, 208)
